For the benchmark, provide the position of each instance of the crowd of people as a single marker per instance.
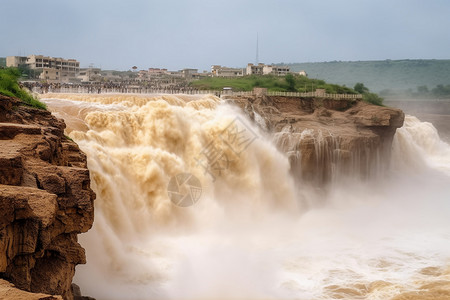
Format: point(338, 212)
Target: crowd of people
point(110, 87)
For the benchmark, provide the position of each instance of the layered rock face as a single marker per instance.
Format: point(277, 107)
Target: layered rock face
point(325, 138)
point(45, 201)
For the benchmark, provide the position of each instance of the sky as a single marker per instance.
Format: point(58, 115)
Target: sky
point(177, 34)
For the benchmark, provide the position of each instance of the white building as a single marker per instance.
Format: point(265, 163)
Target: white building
point(50, 75)
point(262, 69)
point(15, 61)
point(219, 71)
point(90, 74)
point(53, 69)
point(276, 70)
point(255, 69)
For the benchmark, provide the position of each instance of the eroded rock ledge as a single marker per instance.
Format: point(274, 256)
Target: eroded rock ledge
point(45, 202)
point(325, 137)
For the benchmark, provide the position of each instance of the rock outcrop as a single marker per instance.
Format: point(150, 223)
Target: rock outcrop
point(9, 291)
point(45, 202)
point(326, 138)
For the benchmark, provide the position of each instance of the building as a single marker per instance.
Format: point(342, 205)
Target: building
point(189, 73)
point(143, 75)
point(50, 75)
point(90, 74)
point(255, 69)
point(15, 61)
point(157, 72)
point(263, 69)
point(152, 74)
point(111, 75)
point(276, 70)
point(52, 69)
point(219, 71)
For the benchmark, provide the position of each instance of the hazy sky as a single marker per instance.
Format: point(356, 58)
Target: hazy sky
point(175, 34)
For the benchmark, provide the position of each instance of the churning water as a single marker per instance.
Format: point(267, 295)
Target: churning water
point(255, 231)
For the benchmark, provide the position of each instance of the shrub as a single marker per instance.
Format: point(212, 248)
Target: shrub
point(9, 86)
point(373, 98)
point(367, 95)
point(290, 81)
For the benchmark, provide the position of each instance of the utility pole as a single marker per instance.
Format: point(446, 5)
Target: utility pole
point(257, 49)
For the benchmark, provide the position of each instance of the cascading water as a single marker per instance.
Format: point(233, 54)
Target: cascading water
point(417, 144)
point(332, 161)
point(249, 235)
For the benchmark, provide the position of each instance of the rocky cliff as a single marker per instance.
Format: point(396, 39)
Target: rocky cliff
point(45, 202)
point(326, 138)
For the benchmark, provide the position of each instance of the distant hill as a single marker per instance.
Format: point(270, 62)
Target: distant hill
point(396, 75)
point(2, 61)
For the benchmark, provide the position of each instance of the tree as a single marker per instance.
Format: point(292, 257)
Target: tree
point(422, 90)
point(361, 88)
point(441, 91)
point(373, 98)
point(367, 95)
point(290, 80)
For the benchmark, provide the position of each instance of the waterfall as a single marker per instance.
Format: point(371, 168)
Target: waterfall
point(417, 145)
point(246, 232)
point(320, 156)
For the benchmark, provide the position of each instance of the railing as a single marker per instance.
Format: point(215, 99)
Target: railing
point(233, 93)
point(142, 90)
point(315, 95)
point(120, 90)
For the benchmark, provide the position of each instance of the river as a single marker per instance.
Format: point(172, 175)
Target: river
point(247, 233)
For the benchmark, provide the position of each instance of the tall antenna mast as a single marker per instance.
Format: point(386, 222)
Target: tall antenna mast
point(257, 48)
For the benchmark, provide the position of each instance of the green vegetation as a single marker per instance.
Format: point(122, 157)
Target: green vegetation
point(27, 73)
point(422, 92)
point(2, 62)
point(367, 95)
point(288, 83)
point(68, 138)
point(9, 86)
point(373, 98)
point(395, 75)
point(361, 88)
point(441, 91)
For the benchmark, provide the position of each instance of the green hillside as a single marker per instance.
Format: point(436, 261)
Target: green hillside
point(9, 86)
point(288, 83)
point(396, 75)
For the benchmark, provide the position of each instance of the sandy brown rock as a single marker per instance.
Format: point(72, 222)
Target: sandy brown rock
point(9, 291)
point(45, 201)
point(326, 138)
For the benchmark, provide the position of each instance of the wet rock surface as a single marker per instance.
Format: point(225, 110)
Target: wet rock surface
point(325, 137)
